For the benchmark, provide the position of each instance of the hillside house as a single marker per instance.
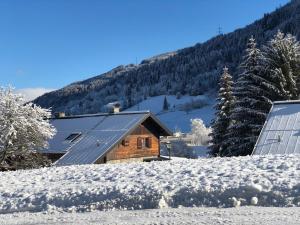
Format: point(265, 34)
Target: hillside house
point(281, 132)
point(106, 138)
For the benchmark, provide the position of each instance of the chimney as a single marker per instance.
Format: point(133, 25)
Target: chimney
point(117, 108)
point(114, 107)
point(59, 115)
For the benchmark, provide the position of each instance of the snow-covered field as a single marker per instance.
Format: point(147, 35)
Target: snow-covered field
point(217, 182)
point(207, 216)
point(170, 118)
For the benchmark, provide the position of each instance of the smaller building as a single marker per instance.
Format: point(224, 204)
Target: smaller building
point(281, 132)
point(106, 138)
point(183, 145)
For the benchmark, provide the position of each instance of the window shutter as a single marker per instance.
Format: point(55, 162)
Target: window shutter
point(139, 143)
point(149, 142)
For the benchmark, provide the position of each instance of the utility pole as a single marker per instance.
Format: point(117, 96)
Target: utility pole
point(220, 30)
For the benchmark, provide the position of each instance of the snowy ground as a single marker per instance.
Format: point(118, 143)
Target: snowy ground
point(272, 181)
point(170, 118)
point(209, 216)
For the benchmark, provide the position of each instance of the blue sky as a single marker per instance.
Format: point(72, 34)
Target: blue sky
point(50, 43)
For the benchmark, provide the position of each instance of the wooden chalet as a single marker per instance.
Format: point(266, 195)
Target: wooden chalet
point(106, 138)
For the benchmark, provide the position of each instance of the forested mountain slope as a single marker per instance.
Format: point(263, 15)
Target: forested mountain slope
point(192, 71)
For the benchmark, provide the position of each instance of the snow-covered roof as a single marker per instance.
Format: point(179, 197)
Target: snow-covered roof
point(94, 135)
point(281, 132)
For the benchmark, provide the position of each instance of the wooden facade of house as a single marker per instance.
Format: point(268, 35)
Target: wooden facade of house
point(140, 144)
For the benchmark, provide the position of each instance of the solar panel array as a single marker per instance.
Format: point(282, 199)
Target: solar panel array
point(281, 133)
point(99, 134)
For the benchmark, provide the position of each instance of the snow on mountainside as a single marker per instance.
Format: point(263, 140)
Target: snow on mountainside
point(189, 71)
point(178, 117)
point(271, 181)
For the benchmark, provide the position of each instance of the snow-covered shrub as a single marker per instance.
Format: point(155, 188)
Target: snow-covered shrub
point(199, 133)
point(24, 128)
point(25, 161)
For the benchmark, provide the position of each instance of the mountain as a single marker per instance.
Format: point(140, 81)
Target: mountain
point(189, 71)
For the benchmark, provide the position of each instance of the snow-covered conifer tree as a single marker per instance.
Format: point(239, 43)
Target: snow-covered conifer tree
point(222, 117)
point(23, 127)
point(166, 104)
point(250, 107)
point(282, 66)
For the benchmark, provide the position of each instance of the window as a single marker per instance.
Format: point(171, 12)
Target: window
point(144, 142)
point(125, 142)
point(149, 142)
point(73, 137)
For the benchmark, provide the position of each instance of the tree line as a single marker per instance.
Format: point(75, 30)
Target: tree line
point(269, 74)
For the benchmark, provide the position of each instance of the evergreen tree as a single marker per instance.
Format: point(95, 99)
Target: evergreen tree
point(271, 76)
point(282, 66)
point(166, 104)
point(223, 109)
point(250, 107)
point(128, 97)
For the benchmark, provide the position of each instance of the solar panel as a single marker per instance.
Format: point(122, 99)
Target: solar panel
point(281, 133)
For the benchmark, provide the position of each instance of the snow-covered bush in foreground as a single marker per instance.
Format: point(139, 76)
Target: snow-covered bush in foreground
point(217, 182)
point(23, 127)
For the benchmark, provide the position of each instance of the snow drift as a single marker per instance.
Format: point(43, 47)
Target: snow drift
point(216, 182)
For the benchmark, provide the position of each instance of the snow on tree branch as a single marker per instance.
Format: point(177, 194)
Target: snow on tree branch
point(199, 132)
point(23, 127)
